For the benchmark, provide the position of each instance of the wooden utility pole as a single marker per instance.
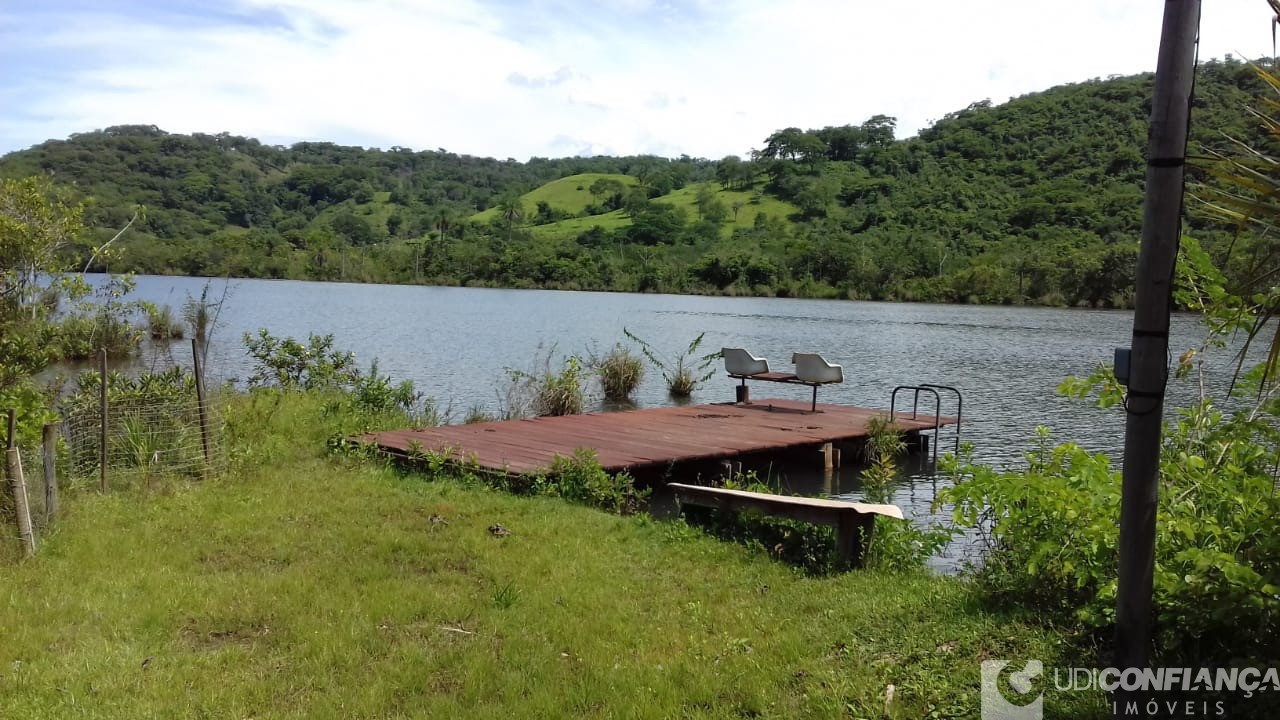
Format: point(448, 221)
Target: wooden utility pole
point(1149, 365)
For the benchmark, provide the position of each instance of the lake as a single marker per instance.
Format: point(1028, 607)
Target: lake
point(456, 344)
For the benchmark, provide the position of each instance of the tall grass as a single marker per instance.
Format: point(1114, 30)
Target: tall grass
point(201, 313)
point(620, 372)
point(80, 336)
point(545, 390)
point(560, 393)
point(162, 324)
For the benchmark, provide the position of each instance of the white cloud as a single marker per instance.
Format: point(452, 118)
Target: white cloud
point(555, 77)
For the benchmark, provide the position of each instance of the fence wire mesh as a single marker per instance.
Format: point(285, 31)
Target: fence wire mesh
point(153, 431)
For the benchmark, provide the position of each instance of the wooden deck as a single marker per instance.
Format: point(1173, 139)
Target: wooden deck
point(646, 438)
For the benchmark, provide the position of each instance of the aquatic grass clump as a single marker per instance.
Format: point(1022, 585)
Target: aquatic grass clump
point(543, 391)
point(477, 414)
point(684, 374)
point(162, 324)
point(620, 372)
point(201, 313)
point(81, 335)
point(560, 393)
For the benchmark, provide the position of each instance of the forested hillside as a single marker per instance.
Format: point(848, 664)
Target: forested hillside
point(1035, 200)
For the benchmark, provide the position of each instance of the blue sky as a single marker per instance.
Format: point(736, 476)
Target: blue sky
point(557, 77)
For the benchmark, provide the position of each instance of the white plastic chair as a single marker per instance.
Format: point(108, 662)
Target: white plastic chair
point(740, 363)
point(813, 368)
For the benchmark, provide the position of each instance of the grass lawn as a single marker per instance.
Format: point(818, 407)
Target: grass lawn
point(312, 587)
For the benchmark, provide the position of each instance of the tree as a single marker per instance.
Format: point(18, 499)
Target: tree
point(37, 226)
point(606, 187)
point(512, 212)
point(356, 229)
point(728, 172)
point(395, 221)
point(636, 202)
point(879, 129)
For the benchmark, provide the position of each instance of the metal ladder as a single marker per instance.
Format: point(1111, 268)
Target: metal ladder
point(937, 409)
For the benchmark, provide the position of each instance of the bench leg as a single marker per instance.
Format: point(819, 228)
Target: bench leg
point(744, 393)
point(853, 535)
point(814, 407)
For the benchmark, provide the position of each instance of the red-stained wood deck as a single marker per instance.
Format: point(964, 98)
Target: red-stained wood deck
point(636, 439)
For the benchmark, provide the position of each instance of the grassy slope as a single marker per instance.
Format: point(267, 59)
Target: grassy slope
point(686, 197)
point(318, 589)
point(374, 212)
point(562, 194)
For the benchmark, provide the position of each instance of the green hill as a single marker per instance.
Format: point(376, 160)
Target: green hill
point(1034, 200)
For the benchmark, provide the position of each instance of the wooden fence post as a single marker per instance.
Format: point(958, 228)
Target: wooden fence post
point(201, 402)
point(50, 457)
point(18, 488)
point(102, 435)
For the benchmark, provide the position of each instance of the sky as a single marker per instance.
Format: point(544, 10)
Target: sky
point(555, 78)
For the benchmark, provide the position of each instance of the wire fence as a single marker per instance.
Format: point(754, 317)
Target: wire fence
point(148, 437)
point(116, 431)
point(36, 464)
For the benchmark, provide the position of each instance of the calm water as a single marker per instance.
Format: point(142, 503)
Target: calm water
point(456, 343)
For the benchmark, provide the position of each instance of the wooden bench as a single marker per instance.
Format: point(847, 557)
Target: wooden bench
point(811, 369)
point(853, 521)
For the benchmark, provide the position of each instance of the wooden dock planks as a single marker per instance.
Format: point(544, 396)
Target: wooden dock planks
point(644, 438)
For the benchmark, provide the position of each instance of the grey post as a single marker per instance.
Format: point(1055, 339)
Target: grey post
point(1161, 228)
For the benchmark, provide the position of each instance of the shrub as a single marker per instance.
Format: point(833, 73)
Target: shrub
point(202, 313)
point(581, 479)
point(895, 544)
point(1051, 529)
point(620, 373)
point(1053, 539)
point(288, 364)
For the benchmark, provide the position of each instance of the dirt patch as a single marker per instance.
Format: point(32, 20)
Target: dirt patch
point(214, 635)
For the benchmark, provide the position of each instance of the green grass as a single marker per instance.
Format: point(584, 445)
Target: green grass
point(751, 203)
point(375, 212)
point(570, 194)
point(574, 227)
point(311, 587)
point(563, 194)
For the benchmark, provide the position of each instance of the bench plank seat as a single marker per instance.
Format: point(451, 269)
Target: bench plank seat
point(853, 521)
